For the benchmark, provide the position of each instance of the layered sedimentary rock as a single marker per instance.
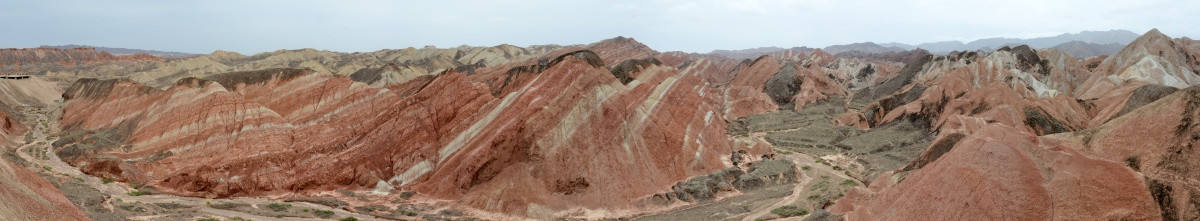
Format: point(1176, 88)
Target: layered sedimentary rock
point(23, 194)
point(1156, 140)
point(567, 130)
point(64, 57)
point(1154, 58)
point(1116, 146)
point(600, 129)
point(1000, 172)
point(26, 196)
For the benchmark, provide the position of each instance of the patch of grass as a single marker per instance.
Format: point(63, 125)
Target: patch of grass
point(789, 211)
point(279, 207)
point(226, 205)
point(849, 182)
point(406, 212)
point(806, 168)
point(238, 218)
point(208, 219)
point(814, 197)
point(837, 168)
point(349, 218)
point(133, 208)
point(323, 213)
point(172, 205)
point(107, 180)
point(139, 192)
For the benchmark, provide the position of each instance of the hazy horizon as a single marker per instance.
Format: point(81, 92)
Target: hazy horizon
point(690, 26)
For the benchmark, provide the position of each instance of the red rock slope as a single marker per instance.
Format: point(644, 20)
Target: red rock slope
point(1002, 173)
point(23, 194)
point(567, 135)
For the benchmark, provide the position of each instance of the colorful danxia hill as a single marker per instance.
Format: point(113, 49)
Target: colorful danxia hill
point(608, 130)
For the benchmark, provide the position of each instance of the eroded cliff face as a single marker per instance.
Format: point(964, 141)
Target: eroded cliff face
point(566, 131)
point(1034, 135)
point(556, 131)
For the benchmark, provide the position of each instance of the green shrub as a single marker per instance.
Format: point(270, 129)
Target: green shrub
point(806, 168)
point(814, 197)
point(323, 213)
point(789, 211)
point(107, 180)
point(349, 218)
point(208, 219)
point(279, 207)
point(837, 168)
point(849, 182)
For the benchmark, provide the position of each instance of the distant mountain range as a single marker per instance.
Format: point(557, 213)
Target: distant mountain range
point(127, 51)
point(1083, 44)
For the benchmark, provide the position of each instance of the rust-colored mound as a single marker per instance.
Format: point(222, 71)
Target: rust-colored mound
point(1158, 141)
point(26, 196)
point(1002, 173)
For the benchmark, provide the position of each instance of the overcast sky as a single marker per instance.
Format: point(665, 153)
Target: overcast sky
point(666, 25)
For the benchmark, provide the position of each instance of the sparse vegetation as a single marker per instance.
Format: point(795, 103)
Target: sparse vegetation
point(279, 207)
point(789, 211)
point(349, 218)
point(139, 192)
point(172, 205)
point(208, 219)
point(806, 168)
point(227, 205)
point(849, 182)
point(814, 197)
point(837, 168)
point(107, 180)
point(323, 213)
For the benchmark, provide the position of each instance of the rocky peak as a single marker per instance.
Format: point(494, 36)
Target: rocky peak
point(1155, 58)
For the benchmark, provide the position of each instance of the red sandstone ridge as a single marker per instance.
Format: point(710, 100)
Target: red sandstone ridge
point(587, 130)
point(64, 57)
point(26, 196)
point(1117, 135)
point(1158, 141)
point(568, 134)
point(999, 173)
